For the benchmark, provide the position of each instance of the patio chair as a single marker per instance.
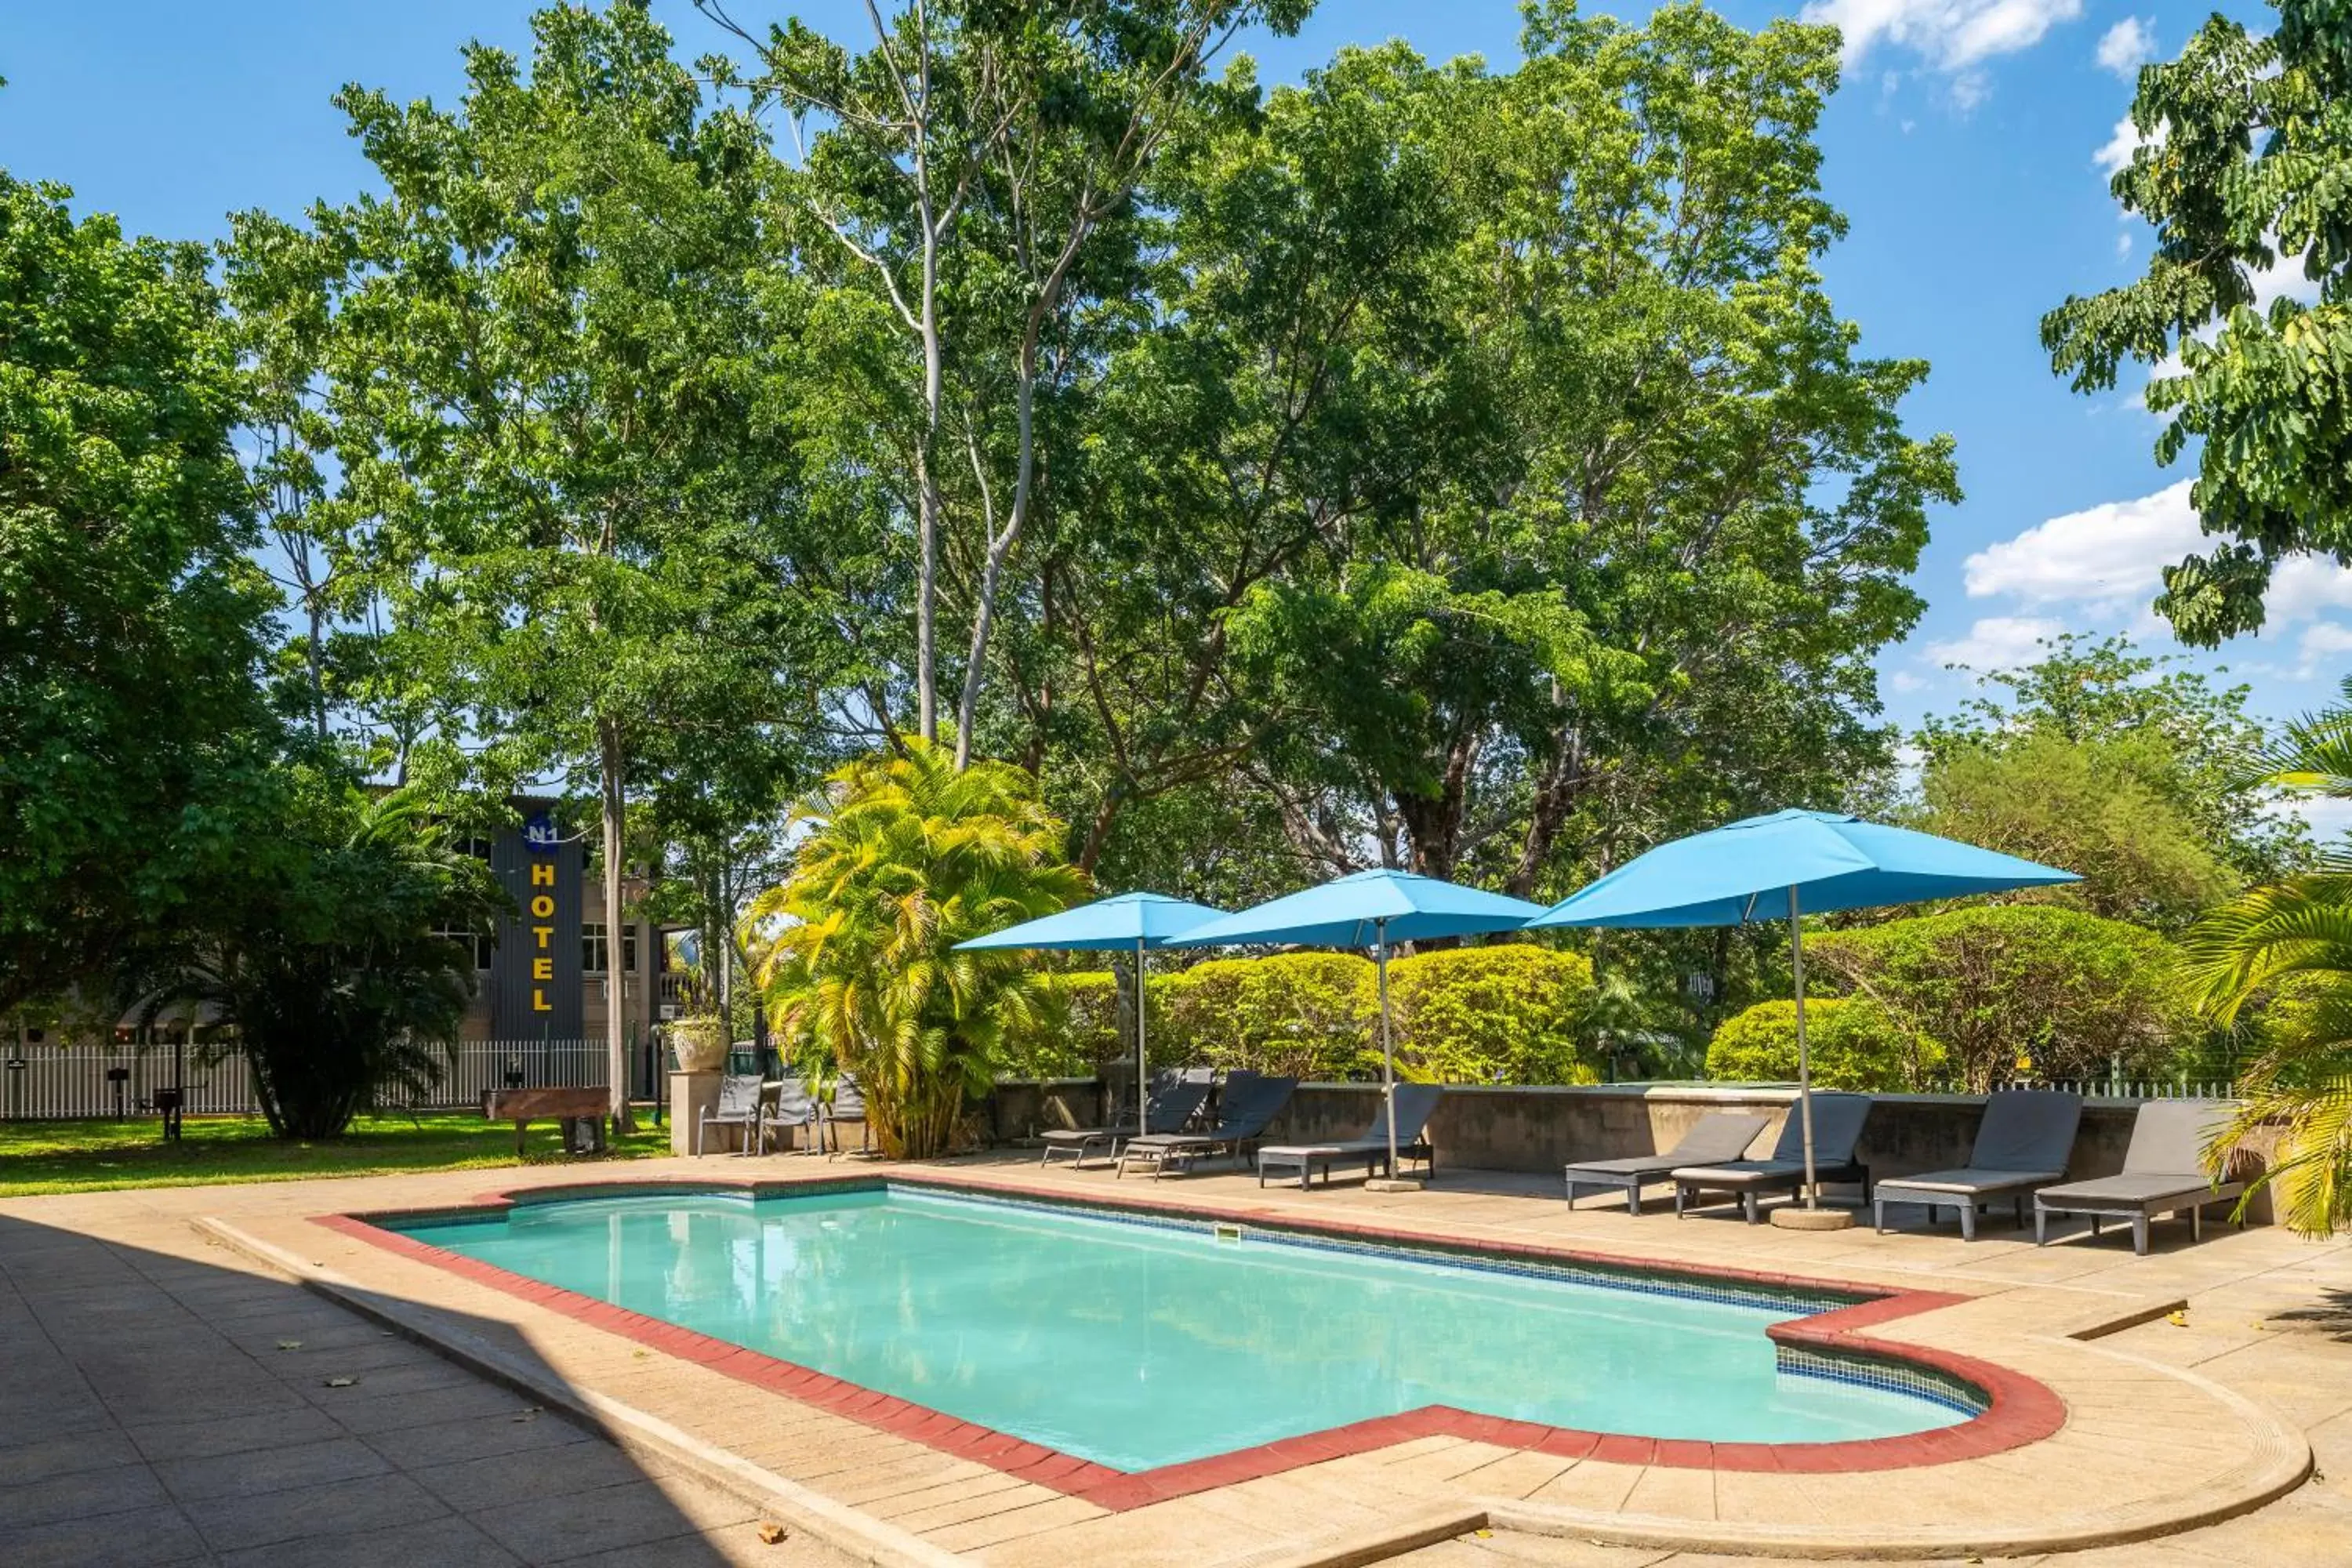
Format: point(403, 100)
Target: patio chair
point(1246, 1105)
point(847, 1104)
point(1837, 1127)
point(1172, 1104)
point(2022, 1145)
point(1415, 1103)
point(2163, 1173)
point(791, 1105)
point(1717, 1136)
point(742, 1103)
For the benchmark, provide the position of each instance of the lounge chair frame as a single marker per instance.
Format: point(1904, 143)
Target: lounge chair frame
point(1838, 1120)
point(2163, 1174)
point(1247, 1106)
point(1718, 1135)
point(1171, 1105)
point(2022, 1145)
point(1416, 1104)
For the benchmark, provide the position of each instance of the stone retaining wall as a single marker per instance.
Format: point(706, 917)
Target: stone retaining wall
point(1541, 1128)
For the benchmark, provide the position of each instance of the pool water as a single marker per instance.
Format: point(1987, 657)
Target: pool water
point(1137, 1346)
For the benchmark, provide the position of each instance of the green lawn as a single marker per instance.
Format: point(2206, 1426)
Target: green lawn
point(96, 1156)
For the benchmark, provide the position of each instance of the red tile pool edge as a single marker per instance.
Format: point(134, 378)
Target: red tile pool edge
point(2019, 1409)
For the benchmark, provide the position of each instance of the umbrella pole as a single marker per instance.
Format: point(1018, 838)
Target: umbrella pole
point(1804, 1060)
point(1388, 1044)
point(1143, 1070)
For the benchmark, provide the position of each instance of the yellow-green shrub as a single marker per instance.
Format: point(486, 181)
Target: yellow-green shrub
point(1504, 1014)
point(1299, 1015)
point(1851, 1043)
point(1074, 1030)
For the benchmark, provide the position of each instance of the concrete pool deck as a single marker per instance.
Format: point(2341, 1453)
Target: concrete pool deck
point(2166, 1429)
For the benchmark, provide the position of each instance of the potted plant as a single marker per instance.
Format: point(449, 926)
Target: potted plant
point(700, 1042)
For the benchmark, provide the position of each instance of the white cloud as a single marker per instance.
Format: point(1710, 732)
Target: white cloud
point(2120, 146)
point(2304, 585)
point(2123, 244)
point(1998, 642)
point(2108, 556)
point(1950, 35)
point(2327, 818)
point(2323, 646)
point(1903, 681)
point(2126, 46)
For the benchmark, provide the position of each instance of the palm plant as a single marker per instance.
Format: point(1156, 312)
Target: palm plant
point(329, 960)
point(904, 856)
point(2287, 951)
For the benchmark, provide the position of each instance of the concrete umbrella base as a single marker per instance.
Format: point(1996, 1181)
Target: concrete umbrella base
point(1792, 1217)
point(1392, 1184)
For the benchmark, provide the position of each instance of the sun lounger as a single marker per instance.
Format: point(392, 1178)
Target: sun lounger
point(2023, 1143)
point(1170, 1105)
point(1416, 1103)
point(1246, 1105)
point(1718, 1135)
point(1837, 1128)
point(2163, 1173)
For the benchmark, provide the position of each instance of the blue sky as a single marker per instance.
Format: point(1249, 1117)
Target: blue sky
point(1965, 148)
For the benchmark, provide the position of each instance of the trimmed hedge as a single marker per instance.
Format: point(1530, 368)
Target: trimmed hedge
point(1504, 1014)
point(1851, 1043)
point(1298, 1014)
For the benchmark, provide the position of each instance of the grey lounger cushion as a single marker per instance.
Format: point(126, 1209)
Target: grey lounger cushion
point(1838, 1121)
point(1245, 1108)
point(1167, 1110)
point(2023, 1141)
point(2164, 1171)
point(1415, 1103)
point(1716, 1136)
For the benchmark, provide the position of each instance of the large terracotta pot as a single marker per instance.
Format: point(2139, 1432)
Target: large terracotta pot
point(700, 1043)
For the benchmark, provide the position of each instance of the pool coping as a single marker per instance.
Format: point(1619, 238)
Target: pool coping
point(2019, 1409)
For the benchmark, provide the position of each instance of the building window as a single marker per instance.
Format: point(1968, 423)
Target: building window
point(592, 948)
point(475, 942)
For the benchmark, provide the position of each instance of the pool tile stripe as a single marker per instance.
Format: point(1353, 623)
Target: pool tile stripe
point(1824, 1338)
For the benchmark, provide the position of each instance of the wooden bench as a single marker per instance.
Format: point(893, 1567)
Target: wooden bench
point(582, 1112)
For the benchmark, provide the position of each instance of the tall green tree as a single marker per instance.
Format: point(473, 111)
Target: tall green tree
point(134, 625)
point(2129, 768)
point(2244, 141)
point(553, 387)
point(1502, 489)
point(968, 181)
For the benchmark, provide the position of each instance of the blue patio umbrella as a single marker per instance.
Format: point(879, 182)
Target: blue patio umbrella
point(1137, 920)
point(1796, 862)
point(1374, 909)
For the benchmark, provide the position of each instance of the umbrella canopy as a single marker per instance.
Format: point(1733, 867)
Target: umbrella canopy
point(1374, 909)
point(1107, 924)
point(1364, 911)
point(1732, 875)
point(1791, 863)
point(1137, 920)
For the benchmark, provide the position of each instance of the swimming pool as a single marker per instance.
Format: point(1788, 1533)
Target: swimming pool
point(1137, 1343)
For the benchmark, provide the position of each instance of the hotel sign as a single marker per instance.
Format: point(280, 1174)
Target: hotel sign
point(535, 981)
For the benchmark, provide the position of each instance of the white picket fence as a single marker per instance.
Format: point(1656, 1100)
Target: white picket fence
point(49, 1083)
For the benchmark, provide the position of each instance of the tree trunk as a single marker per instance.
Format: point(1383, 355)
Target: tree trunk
point(611, 759)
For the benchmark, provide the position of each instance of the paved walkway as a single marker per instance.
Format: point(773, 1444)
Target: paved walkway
point(163, 1401)
point(2270, 1328)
